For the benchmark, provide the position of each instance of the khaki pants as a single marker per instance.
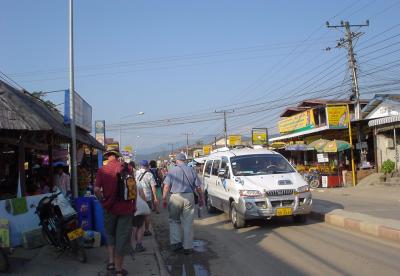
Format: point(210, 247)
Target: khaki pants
point(181, 214)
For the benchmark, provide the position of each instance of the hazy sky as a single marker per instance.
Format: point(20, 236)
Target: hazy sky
point(181, 58)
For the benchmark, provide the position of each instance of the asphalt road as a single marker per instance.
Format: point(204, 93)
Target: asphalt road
point(382, 202)
point(277, 247)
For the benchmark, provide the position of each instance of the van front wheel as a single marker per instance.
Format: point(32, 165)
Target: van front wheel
point(237, 221)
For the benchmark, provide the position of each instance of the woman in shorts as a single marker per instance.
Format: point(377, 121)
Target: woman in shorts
point(138, 225)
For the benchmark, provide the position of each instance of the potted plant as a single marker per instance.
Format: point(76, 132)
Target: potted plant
point(387, 169)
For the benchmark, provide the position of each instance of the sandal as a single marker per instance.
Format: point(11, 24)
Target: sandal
point(110, 267)
point(122, 272)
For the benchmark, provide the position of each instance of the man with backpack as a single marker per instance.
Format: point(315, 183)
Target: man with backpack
point(118, 210)
point(145, 179)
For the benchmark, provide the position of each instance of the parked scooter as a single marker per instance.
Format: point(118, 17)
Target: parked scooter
point(313, 178)
point(61, 230)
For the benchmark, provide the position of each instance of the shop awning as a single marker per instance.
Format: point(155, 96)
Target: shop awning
point(298, 134)
point(384, 121)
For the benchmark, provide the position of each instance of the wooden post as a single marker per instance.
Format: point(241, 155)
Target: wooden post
point(21, 166)
point(376, 149)
point(50, 152)
point(91, 167)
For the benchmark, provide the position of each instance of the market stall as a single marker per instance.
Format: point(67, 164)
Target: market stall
point(332, 161)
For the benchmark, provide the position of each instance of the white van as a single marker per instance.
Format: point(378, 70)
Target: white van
point(254, 183)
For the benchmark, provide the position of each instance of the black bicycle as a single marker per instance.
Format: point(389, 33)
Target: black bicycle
point(58, 230)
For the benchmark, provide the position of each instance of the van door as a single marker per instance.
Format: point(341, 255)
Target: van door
point(210, 187)
point(224, 184)
point(216, 182)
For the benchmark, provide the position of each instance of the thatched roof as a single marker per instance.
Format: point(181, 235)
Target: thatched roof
point(20, 111)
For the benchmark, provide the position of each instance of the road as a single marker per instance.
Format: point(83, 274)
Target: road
point(382, 202)
point(277, 247)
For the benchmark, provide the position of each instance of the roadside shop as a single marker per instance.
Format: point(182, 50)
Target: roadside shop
point(327, 122)
point(384, 114)
point(33, 139)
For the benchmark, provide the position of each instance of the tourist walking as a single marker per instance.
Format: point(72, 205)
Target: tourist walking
point(142, 210)
point(181, 182)
point(117, 213)
point(158, 177)
point(145, 179)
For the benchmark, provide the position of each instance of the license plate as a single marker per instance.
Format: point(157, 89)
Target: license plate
point(77, 233)
point(284, 212)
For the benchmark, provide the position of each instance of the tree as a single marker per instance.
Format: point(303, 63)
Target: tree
point(42, 96)
point(199, 142)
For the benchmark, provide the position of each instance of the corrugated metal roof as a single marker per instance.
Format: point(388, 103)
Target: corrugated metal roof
point(384, 121)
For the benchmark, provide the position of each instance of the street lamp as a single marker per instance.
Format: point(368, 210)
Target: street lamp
point(120, 126)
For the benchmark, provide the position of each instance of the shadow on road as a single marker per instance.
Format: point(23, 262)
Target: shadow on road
point(229, 251)
point(326, 205)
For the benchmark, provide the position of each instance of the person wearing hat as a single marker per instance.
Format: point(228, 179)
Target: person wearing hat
point(145, 179)
point(117, 213)
point(181, 182)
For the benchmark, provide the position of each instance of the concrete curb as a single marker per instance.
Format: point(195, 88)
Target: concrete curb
point(160, 261)
point(381, 228)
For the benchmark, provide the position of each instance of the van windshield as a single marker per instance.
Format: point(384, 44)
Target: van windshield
point(260, 164)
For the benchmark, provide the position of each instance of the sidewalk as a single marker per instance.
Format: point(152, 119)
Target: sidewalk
point(44, 262)
point(371, 210)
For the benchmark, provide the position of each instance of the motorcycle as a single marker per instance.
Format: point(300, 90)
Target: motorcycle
point(58, 229)
point(313, 178)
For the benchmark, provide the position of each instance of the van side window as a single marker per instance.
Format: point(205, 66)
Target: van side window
point(215, 167)
point(207, 169)
point(224, 165)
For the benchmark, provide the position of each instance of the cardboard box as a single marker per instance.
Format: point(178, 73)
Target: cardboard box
point(4, 233)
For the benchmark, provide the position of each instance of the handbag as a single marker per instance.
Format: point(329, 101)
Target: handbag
point(142, 209)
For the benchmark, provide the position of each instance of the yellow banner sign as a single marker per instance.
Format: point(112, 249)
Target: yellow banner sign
point(234, 140)
point(207, 149)
point(128, 149)
point(113, 146)
point(259, 136)
point(298, 122)
point(337, 116)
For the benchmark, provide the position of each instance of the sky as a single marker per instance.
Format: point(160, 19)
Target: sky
point(180, 61)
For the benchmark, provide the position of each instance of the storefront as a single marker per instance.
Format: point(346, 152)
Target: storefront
point(329, 120)
point(387, 132)
point(33, 138)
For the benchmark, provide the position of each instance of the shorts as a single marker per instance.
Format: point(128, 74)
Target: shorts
point(138, 221)
point(118, 230)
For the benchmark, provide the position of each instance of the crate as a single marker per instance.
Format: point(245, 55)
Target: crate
point(33, 239)
point(92, 239)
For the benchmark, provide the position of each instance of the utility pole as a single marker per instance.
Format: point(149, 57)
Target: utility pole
point(348, 43)
point(172, 148)
point(187, 142)
point(225, 123)
point(72, 101)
